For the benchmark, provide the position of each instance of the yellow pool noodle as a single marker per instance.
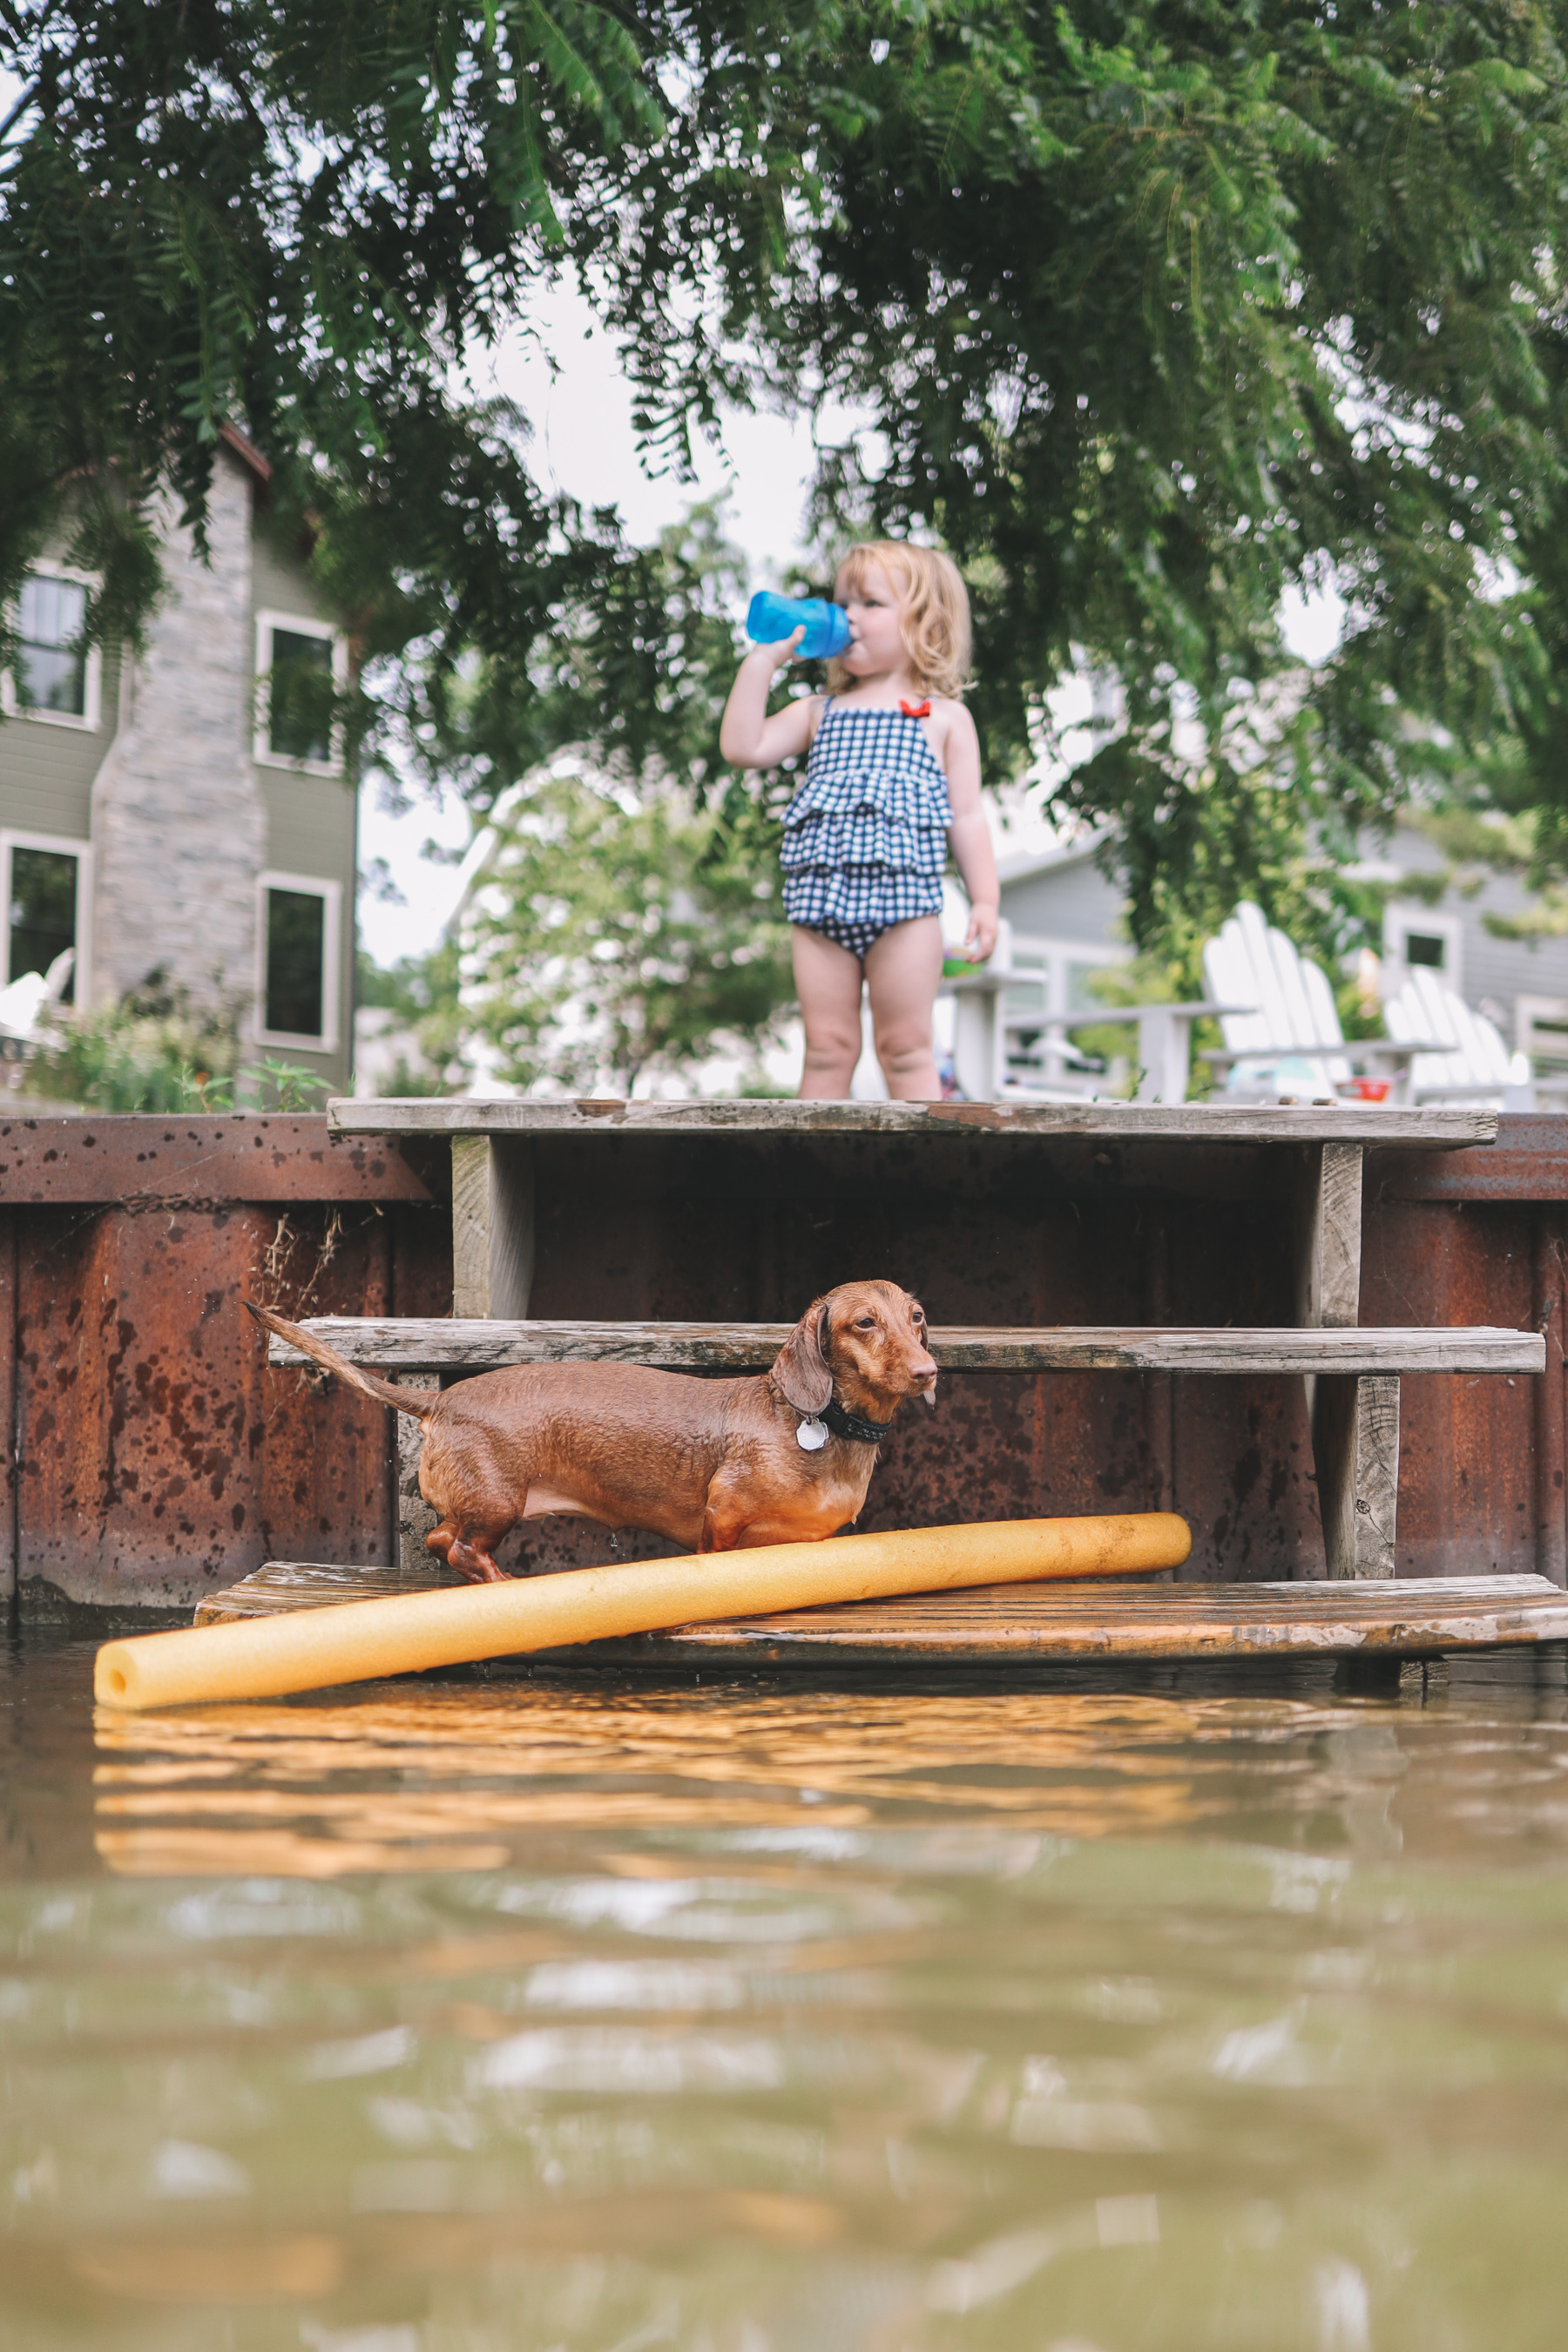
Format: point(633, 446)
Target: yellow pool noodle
point(357, 1641)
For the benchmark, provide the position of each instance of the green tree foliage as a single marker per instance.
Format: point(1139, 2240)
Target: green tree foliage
point(299, 220)
point(630, 918)
point(421, 993)
point(635, 666)
point(1158, 309)
point(618, 936)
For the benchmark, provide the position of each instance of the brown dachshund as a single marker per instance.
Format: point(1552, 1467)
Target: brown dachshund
point(783, 1457)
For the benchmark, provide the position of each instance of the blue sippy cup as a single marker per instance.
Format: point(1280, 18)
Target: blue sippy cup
point(772, 619)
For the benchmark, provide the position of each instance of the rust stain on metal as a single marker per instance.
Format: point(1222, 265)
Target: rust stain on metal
point(1529, 1162)
point(158, 1457)
point(220, 1156)
point(153, 1451)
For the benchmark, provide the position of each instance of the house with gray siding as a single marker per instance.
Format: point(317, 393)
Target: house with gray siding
point(1441, 913)
point(189, 811)
point(1067, 918)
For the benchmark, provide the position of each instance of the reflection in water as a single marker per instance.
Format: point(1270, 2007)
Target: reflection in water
point(467, 2017)
point(446, 1779)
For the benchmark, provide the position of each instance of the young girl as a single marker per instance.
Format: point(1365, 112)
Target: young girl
point(893, 774)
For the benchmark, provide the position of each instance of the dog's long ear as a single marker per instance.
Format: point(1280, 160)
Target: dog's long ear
point(800, 1367)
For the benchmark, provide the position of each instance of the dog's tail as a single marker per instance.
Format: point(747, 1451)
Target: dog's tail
point(419, 1403)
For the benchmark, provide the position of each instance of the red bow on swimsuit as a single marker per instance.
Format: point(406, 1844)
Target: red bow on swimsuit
point(915, 710)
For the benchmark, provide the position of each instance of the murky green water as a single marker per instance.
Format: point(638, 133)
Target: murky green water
point(754, 2018)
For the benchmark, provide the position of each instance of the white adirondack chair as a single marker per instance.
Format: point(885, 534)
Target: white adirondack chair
point(1277, 1016)
point(1475, 1065)
point(26, 1002)
point(1292, 1043)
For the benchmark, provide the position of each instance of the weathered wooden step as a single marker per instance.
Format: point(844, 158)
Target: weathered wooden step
point(480, 1345)
point(1401, 1617)
point(1434, 1130)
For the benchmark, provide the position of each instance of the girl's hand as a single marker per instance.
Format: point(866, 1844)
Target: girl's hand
point(782, 650)
point(980, 940)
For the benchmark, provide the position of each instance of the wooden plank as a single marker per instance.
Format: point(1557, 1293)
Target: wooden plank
point(1328, 1235)
point(1410, 1617)
point(482, 1346)
point(284, 1584)
point(1375, 1124)
point(1328, 1294)
point(1355, 1441)
point(492, 1226)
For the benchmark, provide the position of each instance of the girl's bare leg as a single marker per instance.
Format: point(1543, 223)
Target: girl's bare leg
point(827, 981)
point(903, 967)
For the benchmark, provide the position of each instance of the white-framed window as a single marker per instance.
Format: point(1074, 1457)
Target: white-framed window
point(43, 886)
point(54, 676)
point(301, 665)
point(299, 929)
point(1067, 965)
point(1415, 937)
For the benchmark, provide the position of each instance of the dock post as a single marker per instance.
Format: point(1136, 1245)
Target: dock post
point(492, 1275)
point(492, 1226)
point(1550, 1452)
point(1355, 1443)
point(1354, 1419)
point(415, 1517)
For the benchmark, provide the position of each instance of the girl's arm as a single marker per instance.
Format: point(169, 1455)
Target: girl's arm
point(971, 835)
point(748, 738)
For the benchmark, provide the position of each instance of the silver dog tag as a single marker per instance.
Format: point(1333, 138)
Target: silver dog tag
point(812, 1435)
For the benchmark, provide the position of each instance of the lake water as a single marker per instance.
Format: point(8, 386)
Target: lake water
point(471, 2015)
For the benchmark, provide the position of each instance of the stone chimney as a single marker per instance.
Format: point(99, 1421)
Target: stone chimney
point(178, 824)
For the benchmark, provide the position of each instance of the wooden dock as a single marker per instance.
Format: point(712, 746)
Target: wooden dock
point(583, 1230)
point(1406, 1617)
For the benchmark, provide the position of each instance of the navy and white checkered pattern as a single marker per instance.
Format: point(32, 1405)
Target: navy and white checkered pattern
point(857, 904)
point(866, 837)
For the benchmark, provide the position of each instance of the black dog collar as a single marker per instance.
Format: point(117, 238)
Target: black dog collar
point(853, 1426)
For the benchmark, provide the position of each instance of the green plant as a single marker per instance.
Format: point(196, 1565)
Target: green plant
point(154, 1051)
point(289, 1086)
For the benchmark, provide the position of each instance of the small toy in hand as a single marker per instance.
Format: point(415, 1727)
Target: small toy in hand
point(772, 619)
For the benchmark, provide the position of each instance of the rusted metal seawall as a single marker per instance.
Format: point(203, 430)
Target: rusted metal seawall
point(150, 1458)
point(150, 1454)
point(1464, 1236)
point(1069, 1230)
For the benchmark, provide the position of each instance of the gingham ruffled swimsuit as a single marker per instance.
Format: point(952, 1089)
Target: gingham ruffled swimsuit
point(864, 839)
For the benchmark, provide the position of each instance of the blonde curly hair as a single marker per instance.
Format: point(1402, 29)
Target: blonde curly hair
point(933, 610)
